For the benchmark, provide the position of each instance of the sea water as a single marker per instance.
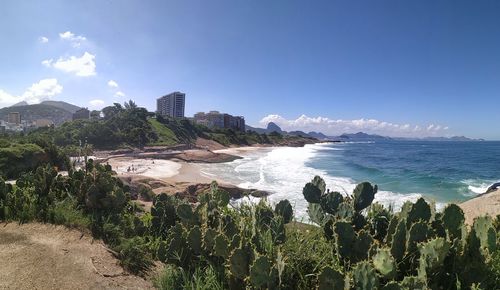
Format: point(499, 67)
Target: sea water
point(442, 172)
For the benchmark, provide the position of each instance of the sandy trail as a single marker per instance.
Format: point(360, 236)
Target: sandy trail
point(488, 203)
point(42, 256)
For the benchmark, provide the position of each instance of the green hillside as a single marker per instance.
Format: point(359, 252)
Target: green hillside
point(38, 111)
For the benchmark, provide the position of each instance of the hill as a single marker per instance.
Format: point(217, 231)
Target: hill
point(62, 105)
point(23, 103)
point(360, 136)
point(39, 111)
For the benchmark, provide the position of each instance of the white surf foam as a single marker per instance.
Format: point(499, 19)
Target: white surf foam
point(477, 186)
point(284, 171)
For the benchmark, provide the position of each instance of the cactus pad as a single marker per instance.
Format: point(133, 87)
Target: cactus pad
point(260, 272)
point(384, 263)
point(364, 193)
point(330, 279)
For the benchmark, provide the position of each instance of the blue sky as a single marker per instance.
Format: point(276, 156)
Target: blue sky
point(398, 68)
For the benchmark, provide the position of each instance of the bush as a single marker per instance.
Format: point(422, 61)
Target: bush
point(66, 213)
point(135, 255)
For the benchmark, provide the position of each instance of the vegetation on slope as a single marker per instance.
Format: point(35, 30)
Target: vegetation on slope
point(122, 126)
point(211, 245)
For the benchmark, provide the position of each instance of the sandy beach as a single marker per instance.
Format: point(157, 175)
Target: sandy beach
point(178, 173)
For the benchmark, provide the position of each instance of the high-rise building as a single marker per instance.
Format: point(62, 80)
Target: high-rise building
point(171, 105)
point(215, 119)
point(14, 118)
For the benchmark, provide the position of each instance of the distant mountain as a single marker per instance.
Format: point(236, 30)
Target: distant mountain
point(255, 129)
point(62, 105)
point(58, 112)
point(272, 127)
point(298, 133)
point(23, 103)
point(360, 136)
point(318, 135)
point(441, 139)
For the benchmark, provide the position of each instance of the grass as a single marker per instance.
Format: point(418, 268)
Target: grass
point(173, 277)
point(64, 213)
point(166, 137)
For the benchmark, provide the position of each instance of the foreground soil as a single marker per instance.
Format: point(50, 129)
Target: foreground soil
point(42, 256)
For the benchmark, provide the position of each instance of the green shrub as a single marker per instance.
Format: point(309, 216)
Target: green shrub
point(135, 255)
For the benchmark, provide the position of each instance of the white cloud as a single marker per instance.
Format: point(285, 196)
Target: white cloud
point(119, 94)
point(75, 40)
point(7, 99)
point(112, 84)
point(43, 90)
point(96, 103)
point(47, 62)
point(43, 39)
point(83, 66)
point(336, 127)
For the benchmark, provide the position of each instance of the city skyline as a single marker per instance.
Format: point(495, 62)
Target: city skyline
point(419, 69)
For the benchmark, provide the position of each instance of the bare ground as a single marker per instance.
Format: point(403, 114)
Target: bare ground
point(488, 203)
point(42, 256)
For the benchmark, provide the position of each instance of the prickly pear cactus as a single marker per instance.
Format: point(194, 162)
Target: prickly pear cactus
point(453, 220)
point(417, 234)
point(311, 193)
point(209, 240)
point(185, 213)
point(414, 283)
point(398, 245)
point(364, 193)
point(284, 209)
point(420, 211)
point(277, 228)
point(365, 277)
point(316, 214)
point(319, 183)
point(483, 226)
point(260, 272)
point(345, 238)
point(239, 263)
point(384, 263)
point(432, 254)
point(263, 214)
point(392, 286)
point(330, 279)
point(195, 240)
point(221, 246)
point(235, 242)
point(361, 247)
point(331, 201)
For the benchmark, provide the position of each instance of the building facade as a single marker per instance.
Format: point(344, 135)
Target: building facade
point(171, 105)
point(14, 118)
point(82, 114)
point(215, 119)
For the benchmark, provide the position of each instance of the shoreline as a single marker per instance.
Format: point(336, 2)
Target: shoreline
point(180, 173)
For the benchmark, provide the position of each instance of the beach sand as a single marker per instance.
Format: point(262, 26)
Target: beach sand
point(488, 203)
point(240, 151)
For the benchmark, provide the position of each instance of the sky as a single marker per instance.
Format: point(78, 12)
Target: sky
point(389, 67)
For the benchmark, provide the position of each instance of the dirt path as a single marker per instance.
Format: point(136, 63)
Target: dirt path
point(488, 203)
point(42, 256)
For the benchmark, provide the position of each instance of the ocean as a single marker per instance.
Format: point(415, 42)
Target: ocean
point(442, 172)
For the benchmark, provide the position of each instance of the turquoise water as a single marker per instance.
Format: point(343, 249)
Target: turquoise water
point(439, 171)
point(445, 171)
